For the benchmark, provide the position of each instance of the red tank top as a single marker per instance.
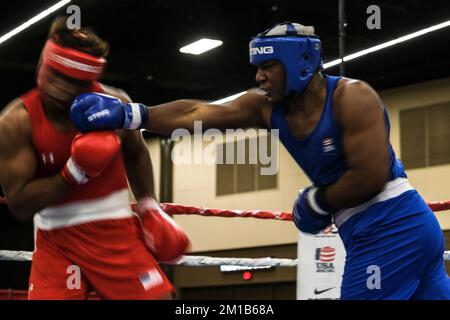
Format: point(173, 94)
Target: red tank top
point(52, 147)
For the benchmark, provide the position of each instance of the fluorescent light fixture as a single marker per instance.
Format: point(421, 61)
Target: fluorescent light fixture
point(230, 98)
point(388, 44)
point(201, 46)
point(33, 20)
point(332, 63)
point(364, 52)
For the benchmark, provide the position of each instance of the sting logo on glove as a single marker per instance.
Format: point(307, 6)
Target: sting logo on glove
point(97, 111)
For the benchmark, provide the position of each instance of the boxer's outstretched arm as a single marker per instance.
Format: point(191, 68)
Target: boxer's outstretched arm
point(25, 194)
point(94, 112)
point(360, 113)
point(243, 112)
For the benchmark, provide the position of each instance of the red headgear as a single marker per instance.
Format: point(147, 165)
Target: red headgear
point(71, 62)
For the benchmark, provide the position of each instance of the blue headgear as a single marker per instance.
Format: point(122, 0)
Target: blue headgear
point(300, 54)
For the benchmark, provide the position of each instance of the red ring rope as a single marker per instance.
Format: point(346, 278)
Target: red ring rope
point(174, 209)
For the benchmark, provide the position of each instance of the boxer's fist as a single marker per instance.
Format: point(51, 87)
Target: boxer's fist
point(90, 154)
point(162, 235)
point(310, 213)
point(97, 111)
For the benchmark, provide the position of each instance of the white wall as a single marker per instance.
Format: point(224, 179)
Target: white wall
point(433, 182)
point(195, 184)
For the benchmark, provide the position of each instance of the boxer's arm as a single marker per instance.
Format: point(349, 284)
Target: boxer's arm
point(360, 113)
point(243, 112)
point(94, 112)
point(138, 164)
point(137, 159)
point(25, 194)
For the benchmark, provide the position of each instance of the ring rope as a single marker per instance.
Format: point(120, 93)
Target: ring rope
point(178, 209)
point(193, 261)
point(204, 261)
point(9, 255)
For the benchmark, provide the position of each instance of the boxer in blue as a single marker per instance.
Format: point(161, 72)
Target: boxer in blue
point(337, 130)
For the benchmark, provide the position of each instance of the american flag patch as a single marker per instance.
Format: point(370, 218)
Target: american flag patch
point(150, 279)
point(327, 145)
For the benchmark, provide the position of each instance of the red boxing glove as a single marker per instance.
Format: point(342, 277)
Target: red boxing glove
point(90, 154)
point(162, 235)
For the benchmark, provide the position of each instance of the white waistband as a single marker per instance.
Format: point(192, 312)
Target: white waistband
point(391, 190)
point(113, 206)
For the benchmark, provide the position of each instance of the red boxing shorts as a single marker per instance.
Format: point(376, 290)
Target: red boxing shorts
point(108, 257)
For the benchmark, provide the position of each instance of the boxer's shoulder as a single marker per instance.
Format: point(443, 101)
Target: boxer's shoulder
point(15, 123)
point(355, 98)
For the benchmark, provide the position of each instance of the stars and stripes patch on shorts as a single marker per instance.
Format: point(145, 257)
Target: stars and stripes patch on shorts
point(150, 279)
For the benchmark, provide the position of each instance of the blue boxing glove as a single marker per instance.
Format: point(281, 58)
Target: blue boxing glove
point(97, 111)
point(311, 214)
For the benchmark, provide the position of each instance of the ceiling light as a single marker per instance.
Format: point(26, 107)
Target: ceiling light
point(33, 20)
point(332, 63)
point(201, 46)
point(364, 52)
point(230, 98)
point(388, 44)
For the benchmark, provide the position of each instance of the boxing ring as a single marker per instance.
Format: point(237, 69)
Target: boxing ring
point(203, 261)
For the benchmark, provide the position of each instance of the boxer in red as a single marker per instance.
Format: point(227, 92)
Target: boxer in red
point(88, 238)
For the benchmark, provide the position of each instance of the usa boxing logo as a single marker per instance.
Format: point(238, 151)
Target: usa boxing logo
point(324, 259)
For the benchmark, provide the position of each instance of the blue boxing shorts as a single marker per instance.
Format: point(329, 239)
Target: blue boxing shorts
point(394, 251)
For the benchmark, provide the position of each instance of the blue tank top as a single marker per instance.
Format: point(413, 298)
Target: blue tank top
point(320, 154)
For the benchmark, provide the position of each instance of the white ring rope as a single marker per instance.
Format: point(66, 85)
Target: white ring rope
point(8, 255)
point(204, 261)
point(193, 261)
